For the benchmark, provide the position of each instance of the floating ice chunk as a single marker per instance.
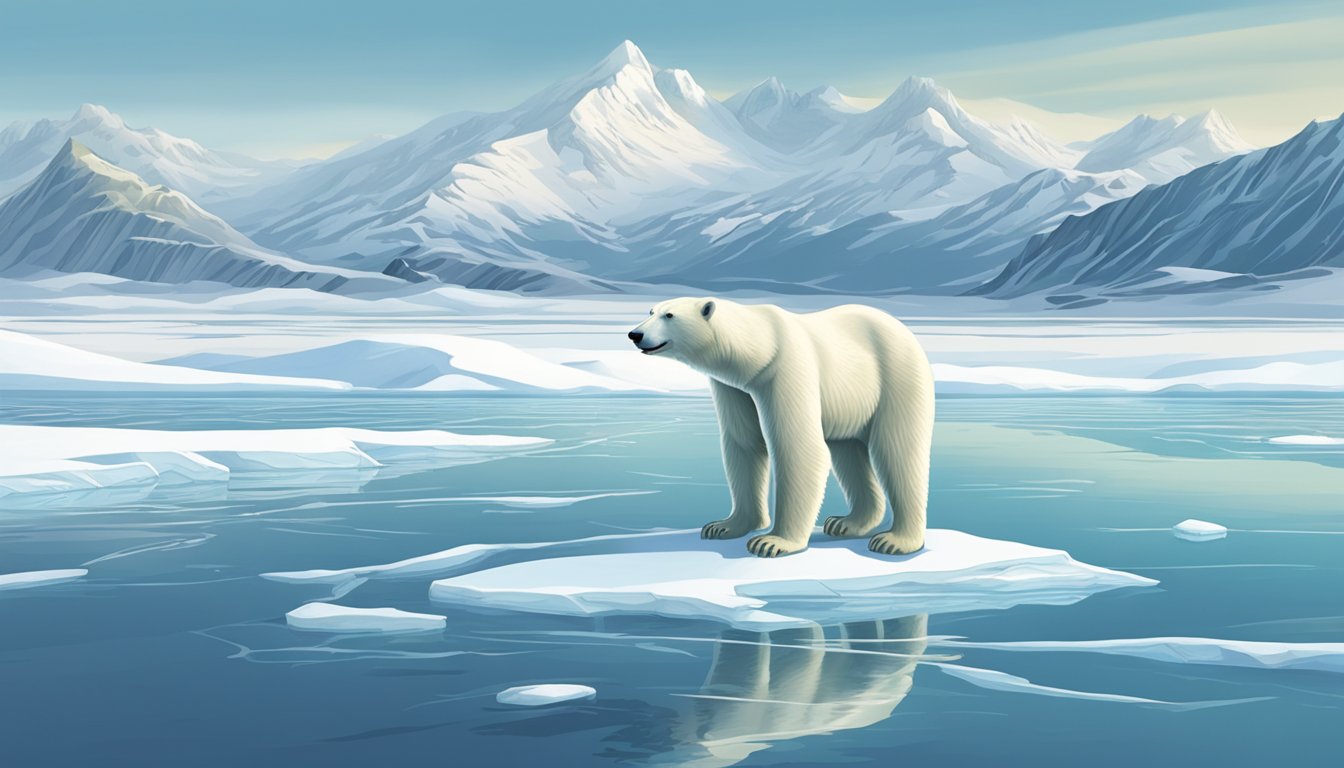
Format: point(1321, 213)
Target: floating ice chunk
point(325, 617)
point(539, 695)
point(457, 559)
point(39, 578)
point(41, 477)
point(173, 467)
point(44, 460)
point(1307, 440)
point(680, 575)
point(544, 502)
point(1198, 530)
point(1321, 657)
point(1001, 681)
point(651, 373)
point(1278, 376)
point(437, 362)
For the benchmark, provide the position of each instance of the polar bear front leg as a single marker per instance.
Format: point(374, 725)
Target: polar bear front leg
point(745, 463)
point(791, 421)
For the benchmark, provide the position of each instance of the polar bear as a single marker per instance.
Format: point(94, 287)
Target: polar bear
point(848, 388)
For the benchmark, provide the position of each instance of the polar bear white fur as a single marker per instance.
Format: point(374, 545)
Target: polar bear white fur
point(848, 388)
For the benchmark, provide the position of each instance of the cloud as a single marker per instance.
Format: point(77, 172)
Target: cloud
point(1269, 79)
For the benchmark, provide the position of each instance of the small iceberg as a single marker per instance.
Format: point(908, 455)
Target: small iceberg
point(541, 695)
point(40, 578)
point(1198, 530)
point(678, 574)
point(325, 617)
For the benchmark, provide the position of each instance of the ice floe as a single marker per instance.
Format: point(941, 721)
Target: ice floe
point(994, 680)
point(1279, 376)
point(448, 363)
point(40, 578)
point(542, 502)
point(326, 617)
point(677, 574)
point(39, 364)
point(47, 460)
point(1321, 657)
point(1306, 440)
point(1198, 530)
point(460, 558)
point(540, 695)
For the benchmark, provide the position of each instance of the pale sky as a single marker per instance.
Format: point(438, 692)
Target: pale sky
point(307, 78)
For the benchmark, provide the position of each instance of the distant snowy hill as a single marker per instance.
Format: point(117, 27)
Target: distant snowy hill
point(157, 157)
point(1162, 150)
point(83, 214)
point(1251, 221)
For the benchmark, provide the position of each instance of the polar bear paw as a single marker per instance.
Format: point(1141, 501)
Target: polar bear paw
point(773, 546)
point(845, 527)
point(895, 544)
point(725, 529)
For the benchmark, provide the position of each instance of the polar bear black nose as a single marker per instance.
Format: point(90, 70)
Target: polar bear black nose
point(636, 336)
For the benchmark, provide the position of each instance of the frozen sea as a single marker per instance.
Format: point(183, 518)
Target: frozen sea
point(174, 652)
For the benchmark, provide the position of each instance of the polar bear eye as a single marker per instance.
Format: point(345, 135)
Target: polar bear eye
point(668, 316)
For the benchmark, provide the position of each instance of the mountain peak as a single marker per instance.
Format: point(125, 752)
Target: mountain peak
point(73, 149)
point(95, 113)
point(767, 94)
point(627, 54)
point(77, 159)
point(828, 94)
point(916, 84)
point(1213, 123)
point(915, 94)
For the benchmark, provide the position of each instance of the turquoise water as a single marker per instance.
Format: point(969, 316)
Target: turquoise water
point(174, 653)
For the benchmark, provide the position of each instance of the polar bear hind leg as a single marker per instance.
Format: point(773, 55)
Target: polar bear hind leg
point(867, 503)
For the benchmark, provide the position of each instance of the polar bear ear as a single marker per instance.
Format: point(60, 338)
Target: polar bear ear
point(707, 309)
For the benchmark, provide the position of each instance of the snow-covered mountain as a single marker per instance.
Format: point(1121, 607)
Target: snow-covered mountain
point(160, 158)
point(630, 173)
point(955, 250)
point(1162, 150)
point(913, 157)
point(1254, 220)
point(521, 195)
point(787, 120)
point(83, 214)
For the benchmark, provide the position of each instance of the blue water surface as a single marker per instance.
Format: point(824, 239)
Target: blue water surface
point(173, 652)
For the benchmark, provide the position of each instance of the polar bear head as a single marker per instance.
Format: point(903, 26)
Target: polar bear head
point(722, 339)
point(682, 329)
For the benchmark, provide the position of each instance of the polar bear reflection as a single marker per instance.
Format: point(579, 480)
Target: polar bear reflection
point(765, 688)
